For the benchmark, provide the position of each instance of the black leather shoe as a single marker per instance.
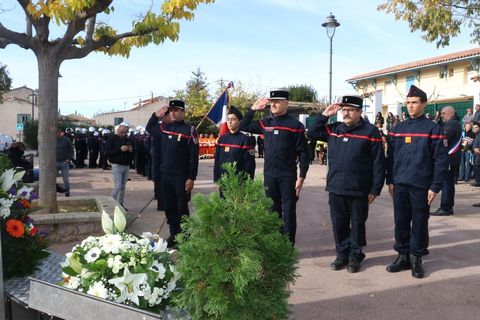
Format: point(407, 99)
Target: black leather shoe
point(402, 262)
point(354, 262)
point(441, 212)
point(171, 242)
point(67, 194)
point(339, 263)
point(417, 270)
point(476, 205)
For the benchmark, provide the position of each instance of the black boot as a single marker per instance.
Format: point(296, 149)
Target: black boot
point(354, 262)
point(402, 262)
point(417, 270)
point(339, 263)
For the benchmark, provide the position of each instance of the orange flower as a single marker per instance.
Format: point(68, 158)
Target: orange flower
point(15, 228)
point(24, 203)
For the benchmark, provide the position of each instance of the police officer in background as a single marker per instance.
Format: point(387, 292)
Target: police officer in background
point(284, 144)
point(355, 177)
point(453, 131)
point(178, 162)
point(416, 166)
point(234, 147)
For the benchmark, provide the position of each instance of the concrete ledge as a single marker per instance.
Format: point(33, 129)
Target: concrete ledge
point(75, 226)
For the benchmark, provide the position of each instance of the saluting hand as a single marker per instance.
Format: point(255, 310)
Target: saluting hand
point(331, 110)
point(189, 185)
point(260, 104)
point(160, 113)
point(431, 196)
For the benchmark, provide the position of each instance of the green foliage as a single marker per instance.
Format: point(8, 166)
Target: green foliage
point(5, 81)
point(30, 132)
point(234, 261)
point(302, 93)
point(5, 163)
point(197, 98)
point(440, 20)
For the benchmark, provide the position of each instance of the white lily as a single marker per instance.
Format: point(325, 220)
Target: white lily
point(160, 246)
point(9, 178)
point(119, 219)
point(107, 223)
point(129, 286)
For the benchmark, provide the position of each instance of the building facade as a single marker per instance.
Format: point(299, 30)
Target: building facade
point(19, 106)
point(138, 115)
point(451, 79)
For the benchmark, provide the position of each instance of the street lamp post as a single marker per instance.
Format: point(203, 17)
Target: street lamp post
point(330, 24)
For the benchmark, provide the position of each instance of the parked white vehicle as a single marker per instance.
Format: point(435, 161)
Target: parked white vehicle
point(5, 141)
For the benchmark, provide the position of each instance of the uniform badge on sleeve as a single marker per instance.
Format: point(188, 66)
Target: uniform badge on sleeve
point(251, 152)
point(408, 139)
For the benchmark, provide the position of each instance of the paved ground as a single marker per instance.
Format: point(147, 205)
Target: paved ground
point(451, 289)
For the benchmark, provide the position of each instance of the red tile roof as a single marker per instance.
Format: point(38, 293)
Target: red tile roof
point(419, 64)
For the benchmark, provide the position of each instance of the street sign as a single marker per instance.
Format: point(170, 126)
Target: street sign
point(19, 126)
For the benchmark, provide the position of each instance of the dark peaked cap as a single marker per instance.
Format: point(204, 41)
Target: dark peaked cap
point(236, 112)
point(176, 104)
point(417, 92)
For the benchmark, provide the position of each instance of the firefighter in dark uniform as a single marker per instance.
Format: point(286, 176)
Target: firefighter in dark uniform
point(453, 131)
point(284, 144)
point(234, 147)
point(416, 166)
point(178, 162)
point(155, 152)
point(355, 177)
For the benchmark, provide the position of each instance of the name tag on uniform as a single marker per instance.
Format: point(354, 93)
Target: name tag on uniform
point(345, 139)
point(408, 139)
point(169, 137)
point(179, 137)
point(227, 149)
point(275, 132)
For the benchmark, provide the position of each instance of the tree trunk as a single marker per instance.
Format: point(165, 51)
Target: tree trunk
point(48, 68)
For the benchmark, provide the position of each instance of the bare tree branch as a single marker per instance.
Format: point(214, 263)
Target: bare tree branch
point(40, 25)
point(8, 36)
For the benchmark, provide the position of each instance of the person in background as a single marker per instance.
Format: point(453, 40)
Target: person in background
point(453, 131)
point(468, 117)
point(466, 163)
point(476, 115)
point(64, 154)
point(119, 150)
point(390, 121)
point(234, 146)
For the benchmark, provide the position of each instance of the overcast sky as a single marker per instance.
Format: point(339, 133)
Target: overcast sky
point(262, 43)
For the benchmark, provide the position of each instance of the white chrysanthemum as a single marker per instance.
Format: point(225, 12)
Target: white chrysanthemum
point(85, 274)
point(89, 240)
point(92, 254)
point(111, 243)
point(98, 290)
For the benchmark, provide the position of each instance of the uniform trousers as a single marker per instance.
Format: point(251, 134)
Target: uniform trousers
point(175, 200)
point(448, 190)
point(282, 191)
point(348, 214)
point(411, 213)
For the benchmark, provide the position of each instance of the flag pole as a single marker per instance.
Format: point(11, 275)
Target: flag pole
point(206, 114)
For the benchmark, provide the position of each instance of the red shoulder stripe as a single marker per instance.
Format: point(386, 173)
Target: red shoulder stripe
point(422, 135)
point(173, 133)
point(349, 135)
point(234, 146)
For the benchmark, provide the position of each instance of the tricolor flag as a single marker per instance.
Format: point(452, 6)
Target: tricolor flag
point(218, 113)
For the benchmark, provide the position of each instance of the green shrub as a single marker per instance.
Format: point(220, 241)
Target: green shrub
point(233, 260)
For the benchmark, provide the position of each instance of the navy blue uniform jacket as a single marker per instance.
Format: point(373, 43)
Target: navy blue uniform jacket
point(417, 154)
point(285, 142)
point(356, 157)
point(178, 147)
point(453, 131)
point(234, 147)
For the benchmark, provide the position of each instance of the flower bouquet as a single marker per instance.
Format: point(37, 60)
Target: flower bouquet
point(122, 267)
point(23, 245)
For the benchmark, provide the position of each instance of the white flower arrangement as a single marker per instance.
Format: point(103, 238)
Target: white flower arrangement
point(122, 267)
